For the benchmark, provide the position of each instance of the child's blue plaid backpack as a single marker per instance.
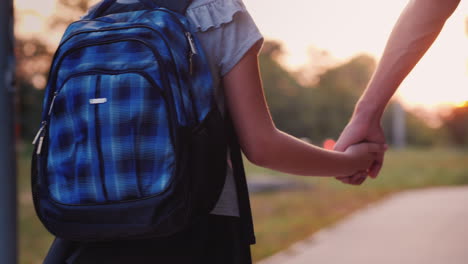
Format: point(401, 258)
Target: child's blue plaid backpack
point(131, 144)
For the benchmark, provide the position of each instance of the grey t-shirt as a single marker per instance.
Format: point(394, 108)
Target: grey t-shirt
point(226, 31)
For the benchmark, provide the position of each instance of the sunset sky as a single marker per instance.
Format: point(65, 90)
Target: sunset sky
point(343, 28)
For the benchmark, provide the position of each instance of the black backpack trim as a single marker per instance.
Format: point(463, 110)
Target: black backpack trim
point(179, 6)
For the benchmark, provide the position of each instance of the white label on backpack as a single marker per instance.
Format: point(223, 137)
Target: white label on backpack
point(98, 100)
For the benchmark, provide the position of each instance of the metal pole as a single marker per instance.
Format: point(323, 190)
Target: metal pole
point(8, 211)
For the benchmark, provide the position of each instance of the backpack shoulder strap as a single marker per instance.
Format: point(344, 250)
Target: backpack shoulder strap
point(179, 6)
point(240, 179)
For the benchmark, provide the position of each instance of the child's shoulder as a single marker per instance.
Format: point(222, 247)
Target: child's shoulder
point(207, 14)
point(225, 28)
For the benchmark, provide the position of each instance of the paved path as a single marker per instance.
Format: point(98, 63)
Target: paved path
point(414, 227)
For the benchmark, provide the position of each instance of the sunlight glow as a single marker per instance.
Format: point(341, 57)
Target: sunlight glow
point(463, 104)
point(347, 28)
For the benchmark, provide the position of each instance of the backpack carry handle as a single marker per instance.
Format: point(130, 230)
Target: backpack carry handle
point(174, 5)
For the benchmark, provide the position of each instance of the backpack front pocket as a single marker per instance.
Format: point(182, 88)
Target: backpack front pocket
point(109, 139)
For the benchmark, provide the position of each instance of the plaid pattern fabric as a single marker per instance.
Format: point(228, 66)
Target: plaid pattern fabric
point(117, 150)
point(121, 82)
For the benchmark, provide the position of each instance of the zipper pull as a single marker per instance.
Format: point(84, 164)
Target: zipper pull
point(193, 49)
point(39, 146)
point(39, 132)
point(52, 103)
point(39, 138)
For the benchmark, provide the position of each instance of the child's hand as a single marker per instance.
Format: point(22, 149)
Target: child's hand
point(362, 155)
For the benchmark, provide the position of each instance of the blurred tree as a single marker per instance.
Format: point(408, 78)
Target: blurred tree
point(316, 112)
point(456, 123)
point(70, 10)
point(281, 89)
point(272, 50)
point(319, 62)
point(33, 62)
point(321, 111)
point(336, 94)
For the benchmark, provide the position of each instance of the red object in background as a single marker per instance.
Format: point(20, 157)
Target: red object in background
point(329, 144)
point(17, 131)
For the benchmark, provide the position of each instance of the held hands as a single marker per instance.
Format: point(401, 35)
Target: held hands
point(361, 157)
point(362, 129)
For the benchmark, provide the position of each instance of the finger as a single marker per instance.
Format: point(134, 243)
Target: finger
point(359, 178)
point(344, 141)
point(374, 170)
point(340, 145)
point(360, 181)
point(348, 176)
point(376, 166)
point(342, 177)
point(344, 180)
point(353, 178)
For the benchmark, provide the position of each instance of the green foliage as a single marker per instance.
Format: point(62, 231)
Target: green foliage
point(456, 123)
point(336, 94)
point(421, 135)
point(317, 112)
point(283, 93)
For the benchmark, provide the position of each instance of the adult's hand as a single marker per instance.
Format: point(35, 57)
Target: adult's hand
point(361, 129)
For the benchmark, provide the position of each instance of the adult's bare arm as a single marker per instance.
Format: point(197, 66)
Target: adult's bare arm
point(418, 26)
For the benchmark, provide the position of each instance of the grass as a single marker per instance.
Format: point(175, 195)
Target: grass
point(34, 240)
point(282, 218)
point(286, 217)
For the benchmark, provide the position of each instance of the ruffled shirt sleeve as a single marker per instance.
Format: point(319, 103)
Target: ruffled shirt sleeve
point(226, 30)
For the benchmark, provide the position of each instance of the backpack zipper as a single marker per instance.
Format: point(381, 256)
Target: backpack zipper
point(52, 103)
point(39, 138)
point(192, 51)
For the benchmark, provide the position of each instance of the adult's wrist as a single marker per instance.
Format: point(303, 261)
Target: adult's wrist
point(368, 111)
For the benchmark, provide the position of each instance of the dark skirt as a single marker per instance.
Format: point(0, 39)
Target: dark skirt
point(211, 240)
